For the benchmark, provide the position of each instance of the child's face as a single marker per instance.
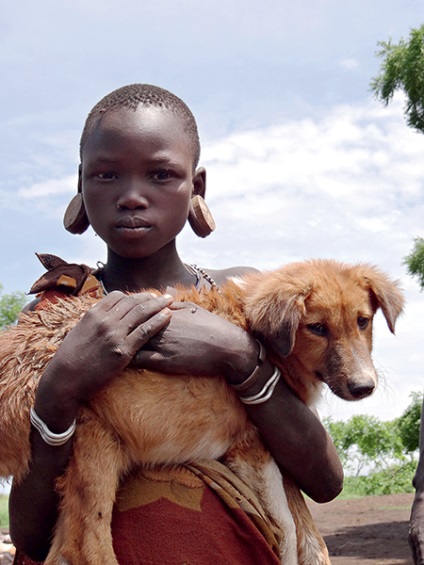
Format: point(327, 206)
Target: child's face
point(137, 179)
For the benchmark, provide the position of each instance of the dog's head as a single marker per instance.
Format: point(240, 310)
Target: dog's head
point(318, 316)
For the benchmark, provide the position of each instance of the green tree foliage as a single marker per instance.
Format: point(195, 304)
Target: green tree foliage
point(409, 424)
point(4, 514)
point(10, 306)
point(378, 457)
point(402, 68)
point(365, 442)
point(415, 261)
point(395, 479)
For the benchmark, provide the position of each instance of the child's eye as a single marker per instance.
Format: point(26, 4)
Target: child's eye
point(107, 176)
point(161, 175)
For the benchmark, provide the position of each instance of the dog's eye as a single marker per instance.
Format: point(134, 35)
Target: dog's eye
point(318, 329)
point(363, 323)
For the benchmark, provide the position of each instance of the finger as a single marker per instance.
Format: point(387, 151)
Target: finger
point(146, 330)
point(118, 305)
point(119, 302)
point(108, 313)
point(116, 297)
point(139, 312)
point(183, 306)
point(146, 359)
point(109, 301)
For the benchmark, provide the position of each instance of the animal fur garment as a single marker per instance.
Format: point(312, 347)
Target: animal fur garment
point(315, 319)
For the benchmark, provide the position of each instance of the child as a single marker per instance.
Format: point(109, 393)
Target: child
point(138, 185)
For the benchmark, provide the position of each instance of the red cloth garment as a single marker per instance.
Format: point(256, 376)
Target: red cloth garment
point(198, 514)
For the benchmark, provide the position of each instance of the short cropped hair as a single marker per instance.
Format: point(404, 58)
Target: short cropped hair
point(148, 95)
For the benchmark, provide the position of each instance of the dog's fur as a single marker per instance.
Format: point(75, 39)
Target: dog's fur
point(312, 317)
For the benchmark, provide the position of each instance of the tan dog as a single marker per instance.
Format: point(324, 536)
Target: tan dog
point(315, 319)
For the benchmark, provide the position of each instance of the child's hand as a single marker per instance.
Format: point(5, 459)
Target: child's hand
point(197, 342)
point(100, 346)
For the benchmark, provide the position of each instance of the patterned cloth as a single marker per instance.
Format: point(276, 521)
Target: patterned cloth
point(194, 514)
point(198, 514)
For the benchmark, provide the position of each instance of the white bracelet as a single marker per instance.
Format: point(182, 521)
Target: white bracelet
point(48, 436)
point(266, 392)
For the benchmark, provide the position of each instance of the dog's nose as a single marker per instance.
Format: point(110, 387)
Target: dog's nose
point(361, 390)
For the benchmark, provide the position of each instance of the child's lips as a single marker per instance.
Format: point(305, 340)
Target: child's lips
point(133, 225)
point(132, 222)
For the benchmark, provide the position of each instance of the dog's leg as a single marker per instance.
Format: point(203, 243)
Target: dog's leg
point(311, 548)
point(83, 534)
point(273, 494)
point(250, 461)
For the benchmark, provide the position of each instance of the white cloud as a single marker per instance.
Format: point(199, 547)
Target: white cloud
point(349, 63)
point(66, 185)
point(348, 186)
point(353, 174)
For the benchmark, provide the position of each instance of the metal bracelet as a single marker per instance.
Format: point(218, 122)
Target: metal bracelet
point(266, 392)
point(47, 435)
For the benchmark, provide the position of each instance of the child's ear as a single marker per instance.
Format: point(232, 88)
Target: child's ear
point(200, 217)
point(75, 219)
point(199, 182)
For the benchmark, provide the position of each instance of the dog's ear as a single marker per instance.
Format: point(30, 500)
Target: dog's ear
point(274, 306)
point(385, 294)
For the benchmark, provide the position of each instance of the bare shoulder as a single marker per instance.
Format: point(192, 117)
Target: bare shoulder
point(30, 306)
point(221, 275)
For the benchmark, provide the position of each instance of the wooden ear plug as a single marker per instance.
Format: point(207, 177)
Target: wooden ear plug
point(75, 219)
point(200, 217)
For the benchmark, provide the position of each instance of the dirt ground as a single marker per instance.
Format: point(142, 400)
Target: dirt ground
point(366, 531)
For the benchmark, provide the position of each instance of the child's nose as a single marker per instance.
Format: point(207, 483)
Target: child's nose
point(134, 196)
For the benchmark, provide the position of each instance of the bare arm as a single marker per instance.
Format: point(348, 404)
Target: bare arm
point(33, 504)
point(93, 353)
point(416, 524)
point(295, 437)
point(299, 443)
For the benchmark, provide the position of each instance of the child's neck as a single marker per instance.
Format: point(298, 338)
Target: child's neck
point(162, 270)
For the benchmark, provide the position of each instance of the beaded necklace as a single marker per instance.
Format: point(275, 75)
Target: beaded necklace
point(198, 272)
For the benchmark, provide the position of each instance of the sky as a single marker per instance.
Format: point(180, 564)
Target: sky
point(302, 161)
